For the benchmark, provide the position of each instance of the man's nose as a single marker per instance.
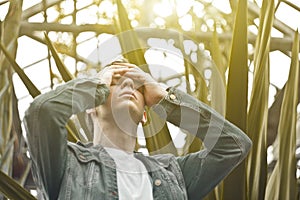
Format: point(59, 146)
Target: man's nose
point(127, 82)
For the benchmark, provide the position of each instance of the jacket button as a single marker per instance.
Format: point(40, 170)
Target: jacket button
point(157, 182)
point(172, 96)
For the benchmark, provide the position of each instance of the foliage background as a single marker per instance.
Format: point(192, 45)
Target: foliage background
point(227, 64)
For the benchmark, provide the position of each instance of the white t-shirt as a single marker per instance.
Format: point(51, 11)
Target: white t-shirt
point(132, 176)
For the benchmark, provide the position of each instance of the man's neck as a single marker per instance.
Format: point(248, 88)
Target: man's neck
point(111, 135)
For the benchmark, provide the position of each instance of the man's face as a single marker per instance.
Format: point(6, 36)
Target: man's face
point(126, 101)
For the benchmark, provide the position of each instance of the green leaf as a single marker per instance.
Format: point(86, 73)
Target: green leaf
point(6, 156)
point(131, 48)
point(158, 138)
point(216, 54)
point(63, 70)
point(217, 86)
point(12, 190)
point(258, 110)
point(25, 174)
point(282, 183)
point(193, 143)
point(237, 91)
point(33, 91)
point(81, 119)
point(73, 134)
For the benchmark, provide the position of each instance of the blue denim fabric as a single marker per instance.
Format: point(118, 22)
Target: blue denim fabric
point(64, 170)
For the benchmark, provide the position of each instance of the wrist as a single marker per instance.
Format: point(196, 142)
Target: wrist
point(157, 97)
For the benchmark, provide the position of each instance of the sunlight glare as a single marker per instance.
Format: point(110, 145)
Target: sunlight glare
point(186, 22)
point(70, 63)
point(108, 8)
point(38, 74)
point(67, 20)
point(272, 93)
point(20, 89)
point(222, 5)
point(163, 8)
point(259, 3)
point(34, 193)
point(67, 7)
point(198, 9)
point(270, 155)
point(84, 36)
point(276, 33)
point(86, 16)
point(183, 7)
point(3, 11)
point(296, 2)
point(253, 29)
point(290, 18)
point(203, 28)
point(279, 68)
point(210, 23)
point(189, 46)
point(38, 18)
point(159, 21)
point(178, 137)
point(65, 38)
point(29, 3)
point(85, 49)
point(25, 57)
point(134, 23)
point(52, 14)
point(83, 3)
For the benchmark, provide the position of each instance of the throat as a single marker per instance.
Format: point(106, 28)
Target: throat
point(113, 137)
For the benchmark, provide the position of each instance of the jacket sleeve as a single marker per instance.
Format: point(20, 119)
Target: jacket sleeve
point(45, 122)
point(225, 144)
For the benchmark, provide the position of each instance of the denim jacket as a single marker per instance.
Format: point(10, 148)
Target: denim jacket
point(65, 170)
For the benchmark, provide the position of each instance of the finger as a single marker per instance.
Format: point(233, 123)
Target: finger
point(138, 78)
point(107, 74)
point(113, 67)
point(139, 75)
point(117, 75)
point(119, 70)
point(134, 75)
point(114, 70)
point(130, 65)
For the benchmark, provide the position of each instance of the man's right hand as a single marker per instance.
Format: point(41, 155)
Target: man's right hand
point(107, 74)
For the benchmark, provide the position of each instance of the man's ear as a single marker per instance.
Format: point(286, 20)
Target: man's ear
point(144, 119)
point(91, 111)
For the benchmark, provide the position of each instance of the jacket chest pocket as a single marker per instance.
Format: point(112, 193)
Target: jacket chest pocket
point(87, 174)
point(85, 180)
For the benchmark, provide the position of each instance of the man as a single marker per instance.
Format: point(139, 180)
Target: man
point(108, 168)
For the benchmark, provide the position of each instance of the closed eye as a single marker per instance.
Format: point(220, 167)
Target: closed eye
point(116, 80)
point(140, 89)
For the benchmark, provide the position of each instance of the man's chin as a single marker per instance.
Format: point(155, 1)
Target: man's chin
point(129, 110)
point(127, 117)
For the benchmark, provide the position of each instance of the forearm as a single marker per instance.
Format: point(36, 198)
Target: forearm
point(199, 119)
point(45, 122)
point(225, 144)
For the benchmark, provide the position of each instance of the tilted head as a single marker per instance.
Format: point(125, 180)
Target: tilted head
point(124, 107)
